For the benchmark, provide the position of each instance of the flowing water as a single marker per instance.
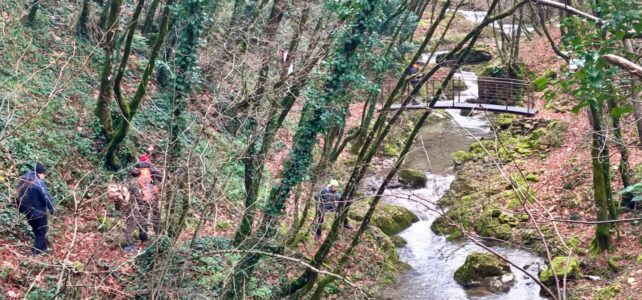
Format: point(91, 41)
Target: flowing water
point(433, 258)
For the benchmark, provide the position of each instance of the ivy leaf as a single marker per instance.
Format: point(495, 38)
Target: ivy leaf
point(619, 111)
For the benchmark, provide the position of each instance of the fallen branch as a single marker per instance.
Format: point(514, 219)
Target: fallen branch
point(570, 10)
point(624, 63)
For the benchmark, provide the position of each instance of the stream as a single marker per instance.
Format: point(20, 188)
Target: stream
point(433, 258)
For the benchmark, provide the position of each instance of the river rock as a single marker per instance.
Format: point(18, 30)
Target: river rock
point(391, 219)
point(490, 224)
point(485, 270)
point(559, 264)
point(413, 177)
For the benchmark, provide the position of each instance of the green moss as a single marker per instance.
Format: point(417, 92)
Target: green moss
point(390, 150)
point(607, 293)
point(614, 265)
point(532, 177)
point(398, 241)
point(415, 178)
point(391, 219)
point(479, 265)
point(505, 120)
point(572, 271)
point(461, 157)
point(508, 219)
point(489, 225)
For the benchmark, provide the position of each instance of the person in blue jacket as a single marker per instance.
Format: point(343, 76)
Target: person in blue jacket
point(34, 201)
point(415, 80)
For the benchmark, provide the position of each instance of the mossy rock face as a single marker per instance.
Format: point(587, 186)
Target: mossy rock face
point(490, 225)
point(391, 219)
point(479, 266)
point(572, 271)
point(413, 177)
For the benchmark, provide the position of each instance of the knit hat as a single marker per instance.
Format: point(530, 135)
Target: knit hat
point(144, 158)
point(333, 183)
point(40, 169)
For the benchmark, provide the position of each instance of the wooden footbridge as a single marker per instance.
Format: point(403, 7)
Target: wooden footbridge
point(469, 92)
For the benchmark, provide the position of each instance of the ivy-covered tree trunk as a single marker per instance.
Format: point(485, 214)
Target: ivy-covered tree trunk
point(237, 14)
point(300, 158)
point(81, 26)
point(260, 146)
point(148, 25)
point(129, 109)
point(194, 15)
point(103, 111)
point(33, 10)
point(102, 22)
point(601, 184)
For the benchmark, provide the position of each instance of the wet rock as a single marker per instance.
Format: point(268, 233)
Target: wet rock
point(485, 270)
point(391, 219)
point(461, 157)
point(413, 177)
point(490, 225)
point(572, 271)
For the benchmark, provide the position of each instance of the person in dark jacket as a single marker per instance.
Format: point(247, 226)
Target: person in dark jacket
point(415, 80)
point(329, 198)
point(34, 201)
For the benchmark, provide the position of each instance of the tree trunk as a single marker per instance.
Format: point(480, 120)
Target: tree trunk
point(602, 241)
point(148, 25)
point(33, 10)
point(625, 168)
point(635, 97)
point(102, 22)
point(132, 107)
point(81, 27)
point(301, 156)
point(103, 111)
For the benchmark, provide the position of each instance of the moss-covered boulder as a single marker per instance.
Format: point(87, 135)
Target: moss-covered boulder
point(490, 225)
point(572, 270)
point(509, 219)
point(482, 269)
point(391, 219)
point(461, 157)
point(413, 177)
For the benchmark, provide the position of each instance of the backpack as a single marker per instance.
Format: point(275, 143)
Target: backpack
point(146, 183)
point(21, 190)
point(118, 194)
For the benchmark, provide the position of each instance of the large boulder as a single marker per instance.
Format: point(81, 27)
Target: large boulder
point(391, 219)
point(485, 270)
point(413, 177)
point(559, 264)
